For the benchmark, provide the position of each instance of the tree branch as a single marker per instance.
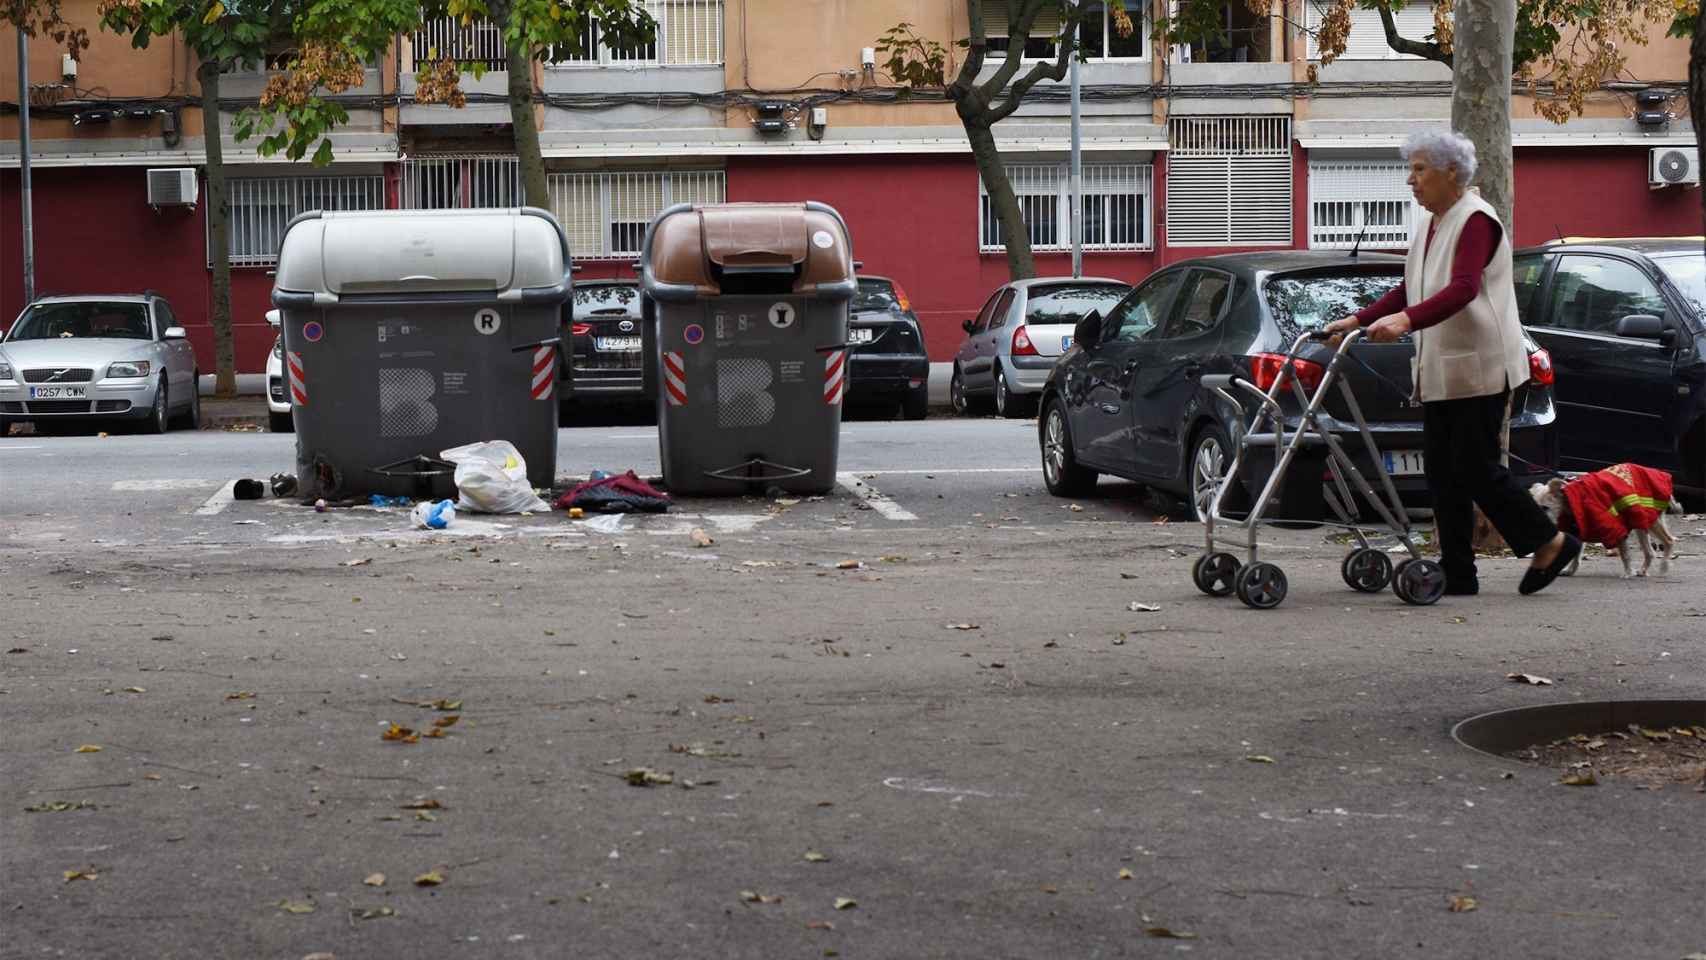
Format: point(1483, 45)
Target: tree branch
point(1414, 48)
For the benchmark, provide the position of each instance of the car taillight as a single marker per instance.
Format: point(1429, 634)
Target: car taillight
point(901, 298)
point(1022, 346)
point(1540, 367)
point(1265, 369)
point(581, 329)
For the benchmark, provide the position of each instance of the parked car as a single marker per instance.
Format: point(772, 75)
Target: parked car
point(278, 402)
point(604, 342)
point(1011, 345)
point(1126, 399)
point(83, 357)
point(886, 358)
point(1625, 323)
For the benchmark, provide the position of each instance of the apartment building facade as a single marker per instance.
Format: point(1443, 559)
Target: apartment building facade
point(1214, 146)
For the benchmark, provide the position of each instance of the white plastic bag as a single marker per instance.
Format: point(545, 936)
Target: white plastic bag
point(434, 516)
point(491, 477)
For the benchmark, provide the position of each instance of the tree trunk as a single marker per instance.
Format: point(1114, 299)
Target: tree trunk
point(1017, 237)
point(1697, 93)
point(218, 234)
point(523, 123)
point(1481, 95)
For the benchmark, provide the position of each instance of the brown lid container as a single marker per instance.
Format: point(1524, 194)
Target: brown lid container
point(693, 247)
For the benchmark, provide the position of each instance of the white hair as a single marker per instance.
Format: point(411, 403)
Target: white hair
point(1443, 149)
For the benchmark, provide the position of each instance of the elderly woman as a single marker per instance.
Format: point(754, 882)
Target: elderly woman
point(1458, 301)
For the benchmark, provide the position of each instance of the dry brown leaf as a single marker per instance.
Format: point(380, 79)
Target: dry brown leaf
point(700, 538)
point(1528, 678)
point(431, 878)
point(449, 721)
point(647, 777)
point(751, 897)
point(850, 565)
point(87, 748)
point(1050, 888)
point(812, 856)
point(1125, 873)
point(375, 880)
point(819, 925)
point(446, 705)
point(422, 803)
point(135, 689)
point(151, 776)
point(1460, 903)
point(241, 695)
point(962, 626)
point(713, 698)
point(295, 906)
point(87, 873)
point(1167, 933)
point(1585, 778)
point(436, 733)
point(60, 806)
point(845, 903)
point(400, 734)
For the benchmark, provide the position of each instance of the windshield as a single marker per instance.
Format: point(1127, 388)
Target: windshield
point(1310, 301)
point(876, 296)
point(607, 298)
point(53, 321)
point(1068, 305)
point(1688, 272)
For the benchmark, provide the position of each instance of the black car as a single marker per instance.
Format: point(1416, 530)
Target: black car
point(1127, 399)
point(886, 359)
point(1624, 322)
point(605, 338)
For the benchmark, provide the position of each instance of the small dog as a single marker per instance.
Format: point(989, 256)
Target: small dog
point(1635, 525)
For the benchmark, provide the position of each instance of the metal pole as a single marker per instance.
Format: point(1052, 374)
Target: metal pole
point(24, 168)
point(1077, 177)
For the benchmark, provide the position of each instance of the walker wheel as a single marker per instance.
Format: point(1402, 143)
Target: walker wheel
point(1367, 570)
point(1261, 585)
point(1215, 574)
point(1419, 582)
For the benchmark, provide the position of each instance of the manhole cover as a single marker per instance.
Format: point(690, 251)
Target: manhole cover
point(1649, 741)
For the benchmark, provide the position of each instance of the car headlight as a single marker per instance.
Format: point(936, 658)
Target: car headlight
point(5, 371)
point(129, 368)
point(278, 348)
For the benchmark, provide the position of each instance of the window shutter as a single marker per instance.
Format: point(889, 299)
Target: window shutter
point(995, 23)
point(1229, 181)
point(1367, 40)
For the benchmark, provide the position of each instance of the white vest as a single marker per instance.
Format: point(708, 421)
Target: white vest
point(1479, 350)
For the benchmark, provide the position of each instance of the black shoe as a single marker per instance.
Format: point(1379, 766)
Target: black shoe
point(1462, 588)
point(1538, 579)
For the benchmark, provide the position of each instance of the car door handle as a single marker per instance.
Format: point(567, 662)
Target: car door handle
point(1110, 408)
point(1130, 366)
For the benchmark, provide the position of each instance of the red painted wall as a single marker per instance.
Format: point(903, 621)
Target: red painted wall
point(1597, 192)
point(95, 233)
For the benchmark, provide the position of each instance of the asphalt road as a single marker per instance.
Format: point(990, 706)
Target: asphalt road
point(934, 700)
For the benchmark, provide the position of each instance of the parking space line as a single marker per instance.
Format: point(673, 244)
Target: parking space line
point(883, 505)
point(222, 498)
point(948, 472)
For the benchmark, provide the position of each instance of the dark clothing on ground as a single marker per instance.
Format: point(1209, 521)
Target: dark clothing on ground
point(1461, 460)
point(1475, 249)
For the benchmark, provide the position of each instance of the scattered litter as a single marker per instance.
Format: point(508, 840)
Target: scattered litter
point(283, 484)
point(609, 523)
point(491, 477)
point(1260, 758)
point(320, 506)
point(850, 565)
point(1125, 873)
point(1528, 678)
point(749, 896)
point(647, 777)
point(700, 538)
point(1136, 607)
point(246, 523)
point(1581, 778)
point(380, 500)
point(295, 906)
point(364, 561)
point(576, 513)
point(61, 806)
point(87, 748)
point(1128, 576)
point(375, 880)
point(431, 878)
point(1459, 903)
point(1075, 508)
point(615, 493)
point(373, 913)
point(845, 903)
point(434, 516)
point(248, 490)
point(812, 856)
point(1169, 934)
point(87, 873)
point(962, 626)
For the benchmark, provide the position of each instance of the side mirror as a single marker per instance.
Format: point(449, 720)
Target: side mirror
point(174, 333)
point(1088, 331)
point(968, 325)
point(273, 319)
point(1644, 326)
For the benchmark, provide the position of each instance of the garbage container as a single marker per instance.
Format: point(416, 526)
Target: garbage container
point(407, 333)
point(744, 332)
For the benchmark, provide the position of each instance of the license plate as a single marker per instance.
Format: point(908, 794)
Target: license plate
point(861, 335)
point(57, 393)
point(617, 344)
point(1401, 463)
point(1065, 344)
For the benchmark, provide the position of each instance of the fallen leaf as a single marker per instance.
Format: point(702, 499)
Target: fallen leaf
point(400, 734)
point(151, 776)
point(713, 698)
point(422, 803)
point(1585, 778)
point(751, 897)
point(1654, 734)
point(890, 558)
point(1459, 620)
point(1260, 758)
point(449, 721)
point(700, 538)
point(1528, 678)
point(1136, 607)
point(60, 806)
point(1128, 576)
point(1167, 933)
point(446, 705)
point(997, 665)
point(374, 913)
point(812, 856)
point(375, 880)
point(1050, 888)
point(962, 626)
point(845, 903)
point(135, 690)
point(826, 925)
point(390, 818)
point(436, 733)
point(425, 816)
point(18, 650)
point(431, 878)
point(364, 561)
point(1075, 508)
point(1458, 903)
point(647, 777)
point(295, 906)
point(1125, 874)
point(87, 873)
point(241, 695)
point(87, 748)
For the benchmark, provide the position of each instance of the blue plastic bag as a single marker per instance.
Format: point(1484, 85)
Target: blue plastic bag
point(434, 516)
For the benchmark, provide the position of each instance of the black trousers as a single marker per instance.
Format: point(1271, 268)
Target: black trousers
point(1460, 441)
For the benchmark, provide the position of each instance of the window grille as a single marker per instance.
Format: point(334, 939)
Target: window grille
point(1116, 205)
point(1369, 199)
point(1229, 181)
point(453, 182)
point(261, 209)
point(689, 32)
point(479, 42)
point(606, 214)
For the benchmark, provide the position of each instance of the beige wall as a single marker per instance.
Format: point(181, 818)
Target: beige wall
point(110, 67)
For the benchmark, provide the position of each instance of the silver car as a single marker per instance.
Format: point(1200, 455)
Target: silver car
point(106, 357)
point(1013, 342)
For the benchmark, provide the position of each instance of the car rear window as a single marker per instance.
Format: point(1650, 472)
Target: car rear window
point(1309, 301)
point(49, 321)
point(1068, 304)
point(607, 298)
point(1688, 272)
point(876, 296)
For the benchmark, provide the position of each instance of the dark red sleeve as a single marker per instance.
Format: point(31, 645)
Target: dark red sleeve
point(1475, 247)
point(1391, 303)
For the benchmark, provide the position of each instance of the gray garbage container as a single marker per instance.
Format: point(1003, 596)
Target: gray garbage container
point(407, 333)
point(745, 344)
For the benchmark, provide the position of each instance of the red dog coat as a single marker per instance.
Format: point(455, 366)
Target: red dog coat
point(1609, 504)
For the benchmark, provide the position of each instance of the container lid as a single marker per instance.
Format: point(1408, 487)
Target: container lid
point(422, 251)
point(689, 247)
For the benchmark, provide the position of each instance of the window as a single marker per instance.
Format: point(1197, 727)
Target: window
point(261, 209)
point(1201, 305)
point(1229, 181)
point(1310, 301)
point(163, 318)
point(689, 32)
point(1116, 206)
point(1098, 34)
point(1138, 313)
point(480, 41)
point(605, 214)
point(456, 182)
point(1526, 274)
point(1366, 200)
point(1067, 304)
point(1003, 308)
point(980, 323)
point(1367, 39)
point(1591, 294)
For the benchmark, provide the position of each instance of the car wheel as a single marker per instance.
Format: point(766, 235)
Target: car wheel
point(280, 423)
point(1211, 455)
point(957, 393)
point(159, 416)
point(1062, 473)
point(192, 414)
point(915, 404)
point(1007, 404)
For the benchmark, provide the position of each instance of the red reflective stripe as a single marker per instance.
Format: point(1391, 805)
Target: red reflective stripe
point(541, 363)
point(835, 363)
point(676, 394)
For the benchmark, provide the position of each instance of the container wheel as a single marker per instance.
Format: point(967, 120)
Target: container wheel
point(1419, 582)
point(1215, 574)
point(1367, 570)
point(1261, 585)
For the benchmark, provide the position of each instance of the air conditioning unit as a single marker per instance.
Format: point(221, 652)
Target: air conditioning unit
point(1672, 165)
point(172, 187)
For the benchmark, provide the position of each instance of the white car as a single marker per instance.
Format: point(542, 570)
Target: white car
point(278, 400)
point(99, 357)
